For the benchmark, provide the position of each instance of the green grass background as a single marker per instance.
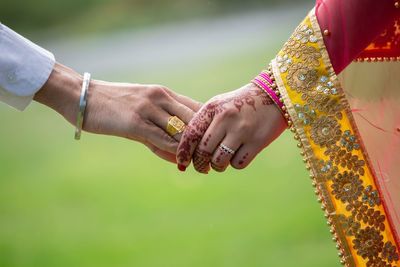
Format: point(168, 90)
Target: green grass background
point(106, 201)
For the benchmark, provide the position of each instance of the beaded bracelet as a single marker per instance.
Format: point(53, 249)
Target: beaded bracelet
point(266, 81)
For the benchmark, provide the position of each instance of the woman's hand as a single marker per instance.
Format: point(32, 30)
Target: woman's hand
point(134, 111)
point(231, 128)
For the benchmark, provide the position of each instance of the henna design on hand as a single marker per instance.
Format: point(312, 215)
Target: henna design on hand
point(208, 139)
point(243, 159)
point(217, 168)
point(265, 98)
point(221, 153)
point(249, 97)
point(201, 160)
point(195, 131)
point(198, 126)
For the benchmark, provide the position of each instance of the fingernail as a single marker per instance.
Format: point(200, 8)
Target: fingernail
point(181, 167)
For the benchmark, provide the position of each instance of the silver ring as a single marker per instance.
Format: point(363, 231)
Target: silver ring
point(227, 149)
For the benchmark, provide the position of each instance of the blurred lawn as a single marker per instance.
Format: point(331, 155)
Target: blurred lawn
point(109, 202)
point(74, 17)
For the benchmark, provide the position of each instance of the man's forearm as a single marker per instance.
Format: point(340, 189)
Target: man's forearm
point(61, 92)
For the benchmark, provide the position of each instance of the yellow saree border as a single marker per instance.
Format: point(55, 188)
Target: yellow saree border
point(332, 149)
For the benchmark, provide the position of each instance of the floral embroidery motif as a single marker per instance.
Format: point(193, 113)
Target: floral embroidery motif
point(347, 187)
point(320, 109)
point(367, 215)
point(305, 34)
point(308, 54)
point(301, 77)
point(368, 242)
point(305, 113)
point(349, 141)
point(325, 131)
point(345, 159)
point(324, 103)
point(389, 252)
point(350, 225)
point(326, 169)
point(371, 196)
point(326, 87)
point(283, 63)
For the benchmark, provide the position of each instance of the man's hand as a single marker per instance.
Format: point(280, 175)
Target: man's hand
point(137, 112)
point(244, 121)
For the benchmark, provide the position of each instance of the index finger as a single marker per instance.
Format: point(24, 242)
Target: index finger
point(161, 153)
point(190, 103)
point(193, 135)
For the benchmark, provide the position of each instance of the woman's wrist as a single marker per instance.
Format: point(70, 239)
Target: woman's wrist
point(266, 82)
point(61, 92)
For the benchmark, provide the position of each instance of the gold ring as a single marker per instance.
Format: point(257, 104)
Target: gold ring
point(175, 126)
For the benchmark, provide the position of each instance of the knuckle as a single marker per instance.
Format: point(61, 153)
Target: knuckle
point(230, 113)
point(208, 107)
point(157, 92)
point(141, 107)
point(184, 113)
point(246, 126)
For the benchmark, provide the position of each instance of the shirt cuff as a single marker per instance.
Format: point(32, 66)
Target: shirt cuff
point(24, 68)
point(17, 102)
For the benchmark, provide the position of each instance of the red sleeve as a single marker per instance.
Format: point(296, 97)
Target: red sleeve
point(352, 26)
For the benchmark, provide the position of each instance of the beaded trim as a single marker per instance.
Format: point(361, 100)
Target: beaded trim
point(377, 59)
point(333, 150)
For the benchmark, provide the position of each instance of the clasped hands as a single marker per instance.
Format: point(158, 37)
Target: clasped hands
point(230, 129)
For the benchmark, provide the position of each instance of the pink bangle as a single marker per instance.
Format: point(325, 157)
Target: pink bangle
point(269, 91)
point(266, 77)
point(266, 81)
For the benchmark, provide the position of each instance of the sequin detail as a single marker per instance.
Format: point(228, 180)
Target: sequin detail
point(333, 152)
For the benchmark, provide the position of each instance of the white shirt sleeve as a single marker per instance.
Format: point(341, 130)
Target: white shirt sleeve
point(24, 68)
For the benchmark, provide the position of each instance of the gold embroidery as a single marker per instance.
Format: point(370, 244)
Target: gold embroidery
point(301, 77)
point(344, 158)
point(308, 54)
point(325, 131)
point(389, 252)
point(347, 186)
point(349, 224)
point(368, 243)
point(323, 123)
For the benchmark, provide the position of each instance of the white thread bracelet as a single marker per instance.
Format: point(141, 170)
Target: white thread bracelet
point(82, 105)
